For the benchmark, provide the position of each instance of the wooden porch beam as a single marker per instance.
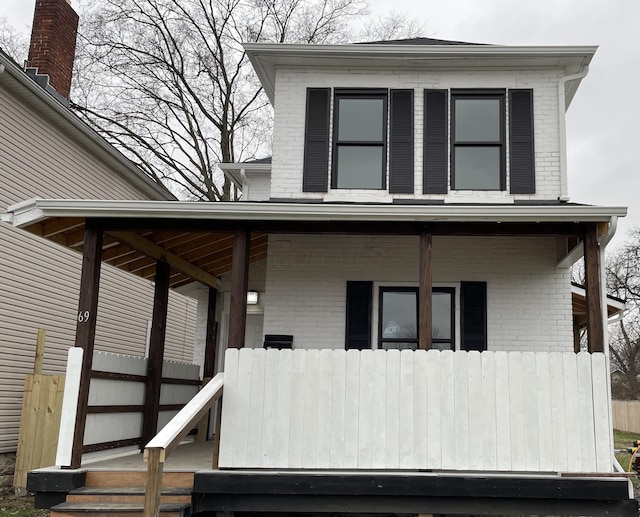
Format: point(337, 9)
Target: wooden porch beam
point(159, 253)
point(156, 352)
point(86, 327)
point(210, 339)
point(595, 327)
point(239, 284)
point(425, 291)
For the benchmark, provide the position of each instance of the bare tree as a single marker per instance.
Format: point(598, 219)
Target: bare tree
point(12, 41)
point(623, 281)
point(170, 85)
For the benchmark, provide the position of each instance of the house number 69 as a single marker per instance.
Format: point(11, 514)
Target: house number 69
point(83, 316)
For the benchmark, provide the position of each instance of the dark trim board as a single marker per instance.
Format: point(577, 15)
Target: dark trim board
point(52, 486)
point(413, 493)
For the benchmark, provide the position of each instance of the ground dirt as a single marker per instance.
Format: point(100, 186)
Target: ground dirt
point(15, 506)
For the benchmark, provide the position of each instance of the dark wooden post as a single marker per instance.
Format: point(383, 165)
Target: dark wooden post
point(86, 327)
point(595, 328)
point(156, 352)
point(210, 341)
point(239, 284)
point(425, 290)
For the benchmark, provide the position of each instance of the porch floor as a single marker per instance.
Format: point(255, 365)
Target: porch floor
point(190, 456)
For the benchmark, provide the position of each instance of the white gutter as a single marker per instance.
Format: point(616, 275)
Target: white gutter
point(562, 123)
point(32, 211)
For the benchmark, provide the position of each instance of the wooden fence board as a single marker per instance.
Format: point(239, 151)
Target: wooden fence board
point(39, 425)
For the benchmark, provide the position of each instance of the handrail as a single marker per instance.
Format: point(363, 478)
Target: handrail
point(162, 444)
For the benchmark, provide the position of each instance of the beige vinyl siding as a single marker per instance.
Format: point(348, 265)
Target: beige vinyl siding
point(39, 279)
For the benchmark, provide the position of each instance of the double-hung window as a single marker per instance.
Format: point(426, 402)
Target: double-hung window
point(359, 139)
point(478, 140)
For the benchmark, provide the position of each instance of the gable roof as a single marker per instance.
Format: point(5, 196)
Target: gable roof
point(33, 94)
point(417, 41)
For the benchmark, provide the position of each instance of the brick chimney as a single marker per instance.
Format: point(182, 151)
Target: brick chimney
point(53, 42)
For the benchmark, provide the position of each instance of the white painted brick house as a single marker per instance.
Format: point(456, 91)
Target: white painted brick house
point(413, 349)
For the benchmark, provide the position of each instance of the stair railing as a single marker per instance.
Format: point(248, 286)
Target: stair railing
point(162, 444)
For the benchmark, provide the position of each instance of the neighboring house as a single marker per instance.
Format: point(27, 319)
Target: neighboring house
point(47, 151)
point(417, 199)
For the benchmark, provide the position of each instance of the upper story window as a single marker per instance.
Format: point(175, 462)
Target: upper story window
point(478, 142)
point(360, 139)
point(467, 136)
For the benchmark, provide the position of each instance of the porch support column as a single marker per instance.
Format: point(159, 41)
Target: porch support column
point(239, 284)
point(86, 327)
point(595, 329)
point(210, 347)
point(156, 352)
point(425, 289)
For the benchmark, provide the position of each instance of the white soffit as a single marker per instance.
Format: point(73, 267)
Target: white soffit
point(267, 57)
point(35, 210)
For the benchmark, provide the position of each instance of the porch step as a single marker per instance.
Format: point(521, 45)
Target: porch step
point(121, 495)
point(135, 478)
point(116, 510)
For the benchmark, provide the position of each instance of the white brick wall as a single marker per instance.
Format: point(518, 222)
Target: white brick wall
point(529, 301)
point(288, 140)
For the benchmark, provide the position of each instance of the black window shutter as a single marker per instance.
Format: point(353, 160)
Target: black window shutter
point(315, 174)
point(358, 321)
point(473, 315)
point(436, 145)
point(401, 143)
point(521, 157)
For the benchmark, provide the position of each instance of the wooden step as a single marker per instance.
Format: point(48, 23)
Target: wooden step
point(126, 495)
point(136, 478)
point(115, 510)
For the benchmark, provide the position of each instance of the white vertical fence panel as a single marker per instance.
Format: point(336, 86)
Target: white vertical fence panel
point(505, 411)
point(69, 407)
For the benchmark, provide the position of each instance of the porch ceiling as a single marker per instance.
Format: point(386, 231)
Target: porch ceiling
point(196, 239)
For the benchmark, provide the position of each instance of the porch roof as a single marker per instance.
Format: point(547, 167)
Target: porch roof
point(195, 238)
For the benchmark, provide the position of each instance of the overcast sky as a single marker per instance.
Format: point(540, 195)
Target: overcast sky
point(603, 133)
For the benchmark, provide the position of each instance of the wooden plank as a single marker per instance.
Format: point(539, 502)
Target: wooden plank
point(21, 469)
point(475, 429)
point(461, 409)
point(545, 430)
point(365, 410)
point(338, 406)
point(310, 414)
point(256, 421)
point(39, 421)
point(425, 290)
point(351, 409)
point(585, 412)
point(296, 410)
point(380, 404)
point(39, 358)
point(86, 327)
point(283, 411)
point(420, 409)
point(602, 425)
point(211, 345)
point(32, 422)
point(393, 431)
point(153, 381)
point(572, 412)
point(69, 406)
point(270, 410)
point(503, 411)
point(239, 283)
point(242, 409)
point(488, 412)
point(558, 412)
point(516, 411)
point(324, 427)
point(229, 422)
point(446, 406)
point(530, 410)
point(407, 460)
point(152, 250)
point(215, 461)
point(153, 487)
point(51, 441)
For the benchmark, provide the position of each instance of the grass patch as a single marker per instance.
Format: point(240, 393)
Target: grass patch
point(12, 506)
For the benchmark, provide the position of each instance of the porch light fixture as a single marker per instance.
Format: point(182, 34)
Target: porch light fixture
point(252, 297)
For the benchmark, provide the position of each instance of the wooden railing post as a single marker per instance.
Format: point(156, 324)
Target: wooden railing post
point(216, 436)
point(153, 488)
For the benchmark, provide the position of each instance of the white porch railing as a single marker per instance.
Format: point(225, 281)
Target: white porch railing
point(490, 411)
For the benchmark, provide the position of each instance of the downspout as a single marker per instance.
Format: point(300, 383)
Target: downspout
point(562, 127)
